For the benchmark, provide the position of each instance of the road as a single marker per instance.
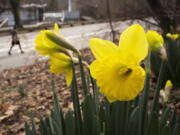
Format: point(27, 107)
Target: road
point(79, 36)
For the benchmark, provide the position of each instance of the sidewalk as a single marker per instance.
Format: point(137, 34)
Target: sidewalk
point(79, 36)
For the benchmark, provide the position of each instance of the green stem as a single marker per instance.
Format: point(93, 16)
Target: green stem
point(157, 93)
point(145, 94)
point(95, 94)
point(76, 105)
point(158, 86)
point(83, 77)
point(144, 103)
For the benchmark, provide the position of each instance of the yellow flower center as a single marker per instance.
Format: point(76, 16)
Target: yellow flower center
point(124, 70)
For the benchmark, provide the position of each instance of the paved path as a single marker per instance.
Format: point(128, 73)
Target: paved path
point(79, 36)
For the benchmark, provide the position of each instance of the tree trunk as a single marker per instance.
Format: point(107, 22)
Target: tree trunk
point(110, 20)
point(166, 23)
point(15, 11)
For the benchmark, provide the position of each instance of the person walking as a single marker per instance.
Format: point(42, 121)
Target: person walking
point(15, 40)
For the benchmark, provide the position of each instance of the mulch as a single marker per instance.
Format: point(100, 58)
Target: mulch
point(26, 92)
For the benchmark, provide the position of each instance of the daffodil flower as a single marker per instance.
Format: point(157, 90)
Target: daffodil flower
point(61, 63)
point(60, 59)
point(172, 36)
point(45, 46)
point(116, 68)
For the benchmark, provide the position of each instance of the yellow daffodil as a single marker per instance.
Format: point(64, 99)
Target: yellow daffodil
point(50, 43)
point(61, 63)
point(45, 46)
point(172, 36)
point(116, 68)
point(155, 40)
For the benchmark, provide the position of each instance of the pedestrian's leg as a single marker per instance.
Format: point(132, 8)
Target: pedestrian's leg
point(10, 49)
point(20, 47)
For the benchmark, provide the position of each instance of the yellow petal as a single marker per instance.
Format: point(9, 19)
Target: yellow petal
point(168, 83)
point(43, 50)
point(56, 28)
point(69, 76)
point(133, 43)
point(102, 48)
point(61, 57)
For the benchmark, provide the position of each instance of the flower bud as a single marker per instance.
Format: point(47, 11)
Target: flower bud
point(60, 41)
point(165, 93)
point(155, 40)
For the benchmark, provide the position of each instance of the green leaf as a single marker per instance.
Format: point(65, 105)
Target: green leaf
point(177, 126)
point(166, 130)
point(27, 129)
point(132, 125)
point(173, 121)
point(144, 104)
point(91, 120)
point(164, 118)
point(70, 123)
point(119, 118)
point(44, 129)
point(33, 128)
point(57, 115)
point(83, 76)
point(154, 125)
point(95, 95)
point(76, 105)
point(158, 86)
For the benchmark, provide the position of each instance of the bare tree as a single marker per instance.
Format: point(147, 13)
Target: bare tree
point(166, 14)
point(110, 19)
point(15, 4)
point(4, 6)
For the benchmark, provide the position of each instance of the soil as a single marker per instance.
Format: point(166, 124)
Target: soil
point(25, 92)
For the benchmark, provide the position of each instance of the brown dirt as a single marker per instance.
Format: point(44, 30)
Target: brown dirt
point(25, 92)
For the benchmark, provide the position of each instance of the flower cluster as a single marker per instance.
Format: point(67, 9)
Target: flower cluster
point(172, 36)
point(116, 69)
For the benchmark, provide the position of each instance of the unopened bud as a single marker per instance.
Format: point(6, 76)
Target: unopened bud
point(61, 42)
point(162, 53)
point(155, 40)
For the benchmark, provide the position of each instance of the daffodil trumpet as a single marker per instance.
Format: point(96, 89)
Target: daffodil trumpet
point(61, 63)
